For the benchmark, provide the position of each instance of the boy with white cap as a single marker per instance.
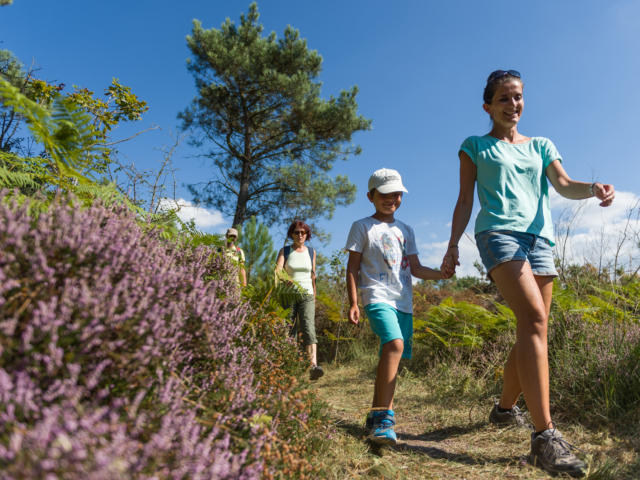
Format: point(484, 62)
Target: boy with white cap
point(382, 259)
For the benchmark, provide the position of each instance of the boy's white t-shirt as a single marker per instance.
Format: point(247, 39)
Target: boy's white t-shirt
point(385, 275)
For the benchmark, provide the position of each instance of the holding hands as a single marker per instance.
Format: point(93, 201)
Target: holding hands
point(450, 261)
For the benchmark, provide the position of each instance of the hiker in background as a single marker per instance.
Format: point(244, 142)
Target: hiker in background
point(299, 261)
point(514, 235)
point(236, 254)
point(382, 259)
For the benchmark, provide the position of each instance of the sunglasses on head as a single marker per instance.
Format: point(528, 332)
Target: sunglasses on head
point(501, 73)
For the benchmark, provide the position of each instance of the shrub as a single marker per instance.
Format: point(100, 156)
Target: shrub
point(595, 368)
point(123, 355)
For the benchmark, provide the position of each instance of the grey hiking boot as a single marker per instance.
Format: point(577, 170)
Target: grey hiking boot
point(515, 416)
point(316, 372)
point(552, 453)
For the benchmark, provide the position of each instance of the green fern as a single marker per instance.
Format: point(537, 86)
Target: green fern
point(65, 132)
point(20, 180)
point(274, 293)
point(462, 324)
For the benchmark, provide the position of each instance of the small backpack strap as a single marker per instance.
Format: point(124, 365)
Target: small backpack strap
point(286, 251)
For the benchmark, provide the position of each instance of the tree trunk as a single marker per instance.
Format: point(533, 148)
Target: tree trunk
point(243, 196)
point(243, 191)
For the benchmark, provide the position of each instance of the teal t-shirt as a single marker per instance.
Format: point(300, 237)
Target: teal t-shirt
point(512, 184)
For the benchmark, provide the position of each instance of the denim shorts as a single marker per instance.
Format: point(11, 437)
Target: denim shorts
point(500, 246)
point(390, 324)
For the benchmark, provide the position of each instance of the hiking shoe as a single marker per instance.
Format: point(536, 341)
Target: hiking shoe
point(382, 432)
point(316, 372)
point(368, 423)
point(552, 453)
point(515, 416)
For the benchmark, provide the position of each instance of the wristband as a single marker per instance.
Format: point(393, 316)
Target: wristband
point(593, 194)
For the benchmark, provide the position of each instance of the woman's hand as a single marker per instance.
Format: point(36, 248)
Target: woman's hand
point(449, 262)
point(604, 192)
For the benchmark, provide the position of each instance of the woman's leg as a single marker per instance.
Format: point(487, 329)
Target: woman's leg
point(527, 367)
point(308, 327)
point(313, 355)
point(511, 389)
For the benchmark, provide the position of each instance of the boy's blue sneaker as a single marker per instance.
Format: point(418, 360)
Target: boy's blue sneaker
point(381, 431)
point(368, 423)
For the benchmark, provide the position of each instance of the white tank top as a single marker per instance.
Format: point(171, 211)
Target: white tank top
point(299, 267)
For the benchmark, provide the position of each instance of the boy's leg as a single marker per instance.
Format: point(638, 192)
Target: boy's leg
point(395, 329)
point(387, 373)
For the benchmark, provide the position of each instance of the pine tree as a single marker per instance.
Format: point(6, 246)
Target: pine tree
point(272, 139)
point(257, 244)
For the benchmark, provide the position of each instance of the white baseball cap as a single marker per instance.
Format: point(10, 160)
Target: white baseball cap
point(386, 180)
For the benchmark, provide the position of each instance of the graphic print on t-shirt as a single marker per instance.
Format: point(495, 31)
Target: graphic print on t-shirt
point(394, 250)
point(389, 250)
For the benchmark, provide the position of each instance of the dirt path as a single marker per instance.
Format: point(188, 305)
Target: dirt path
point(436, 438)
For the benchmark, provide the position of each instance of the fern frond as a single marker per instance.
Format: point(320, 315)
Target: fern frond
point(65, 132)
point(15, 179)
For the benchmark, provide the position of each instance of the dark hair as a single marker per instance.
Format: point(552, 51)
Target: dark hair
point(301, 224)
point(497, 78)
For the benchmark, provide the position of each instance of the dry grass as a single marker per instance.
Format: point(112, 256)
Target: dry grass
point(443, 433)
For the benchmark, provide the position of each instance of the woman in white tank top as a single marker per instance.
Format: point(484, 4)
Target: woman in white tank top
point(299, 261)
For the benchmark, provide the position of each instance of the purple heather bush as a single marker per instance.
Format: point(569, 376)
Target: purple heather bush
point(123, 355)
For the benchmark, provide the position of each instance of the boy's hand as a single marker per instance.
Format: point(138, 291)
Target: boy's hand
point(444, 274)
point(449, 262)
point(354, 314)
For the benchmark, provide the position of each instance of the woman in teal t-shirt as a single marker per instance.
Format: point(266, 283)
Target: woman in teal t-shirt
point(514, 235)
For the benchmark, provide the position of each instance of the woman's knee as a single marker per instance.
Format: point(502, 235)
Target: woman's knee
point(534, 323)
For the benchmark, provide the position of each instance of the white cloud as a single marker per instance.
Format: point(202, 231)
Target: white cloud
point(204, 219)
point(603, 237)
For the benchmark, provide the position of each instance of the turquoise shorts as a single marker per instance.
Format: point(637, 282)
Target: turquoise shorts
point(391, 324)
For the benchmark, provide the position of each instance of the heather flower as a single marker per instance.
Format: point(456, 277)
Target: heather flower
point(123, 355)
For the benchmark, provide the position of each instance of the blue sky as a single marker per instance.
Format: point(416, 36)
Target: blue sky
point(420, 67)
